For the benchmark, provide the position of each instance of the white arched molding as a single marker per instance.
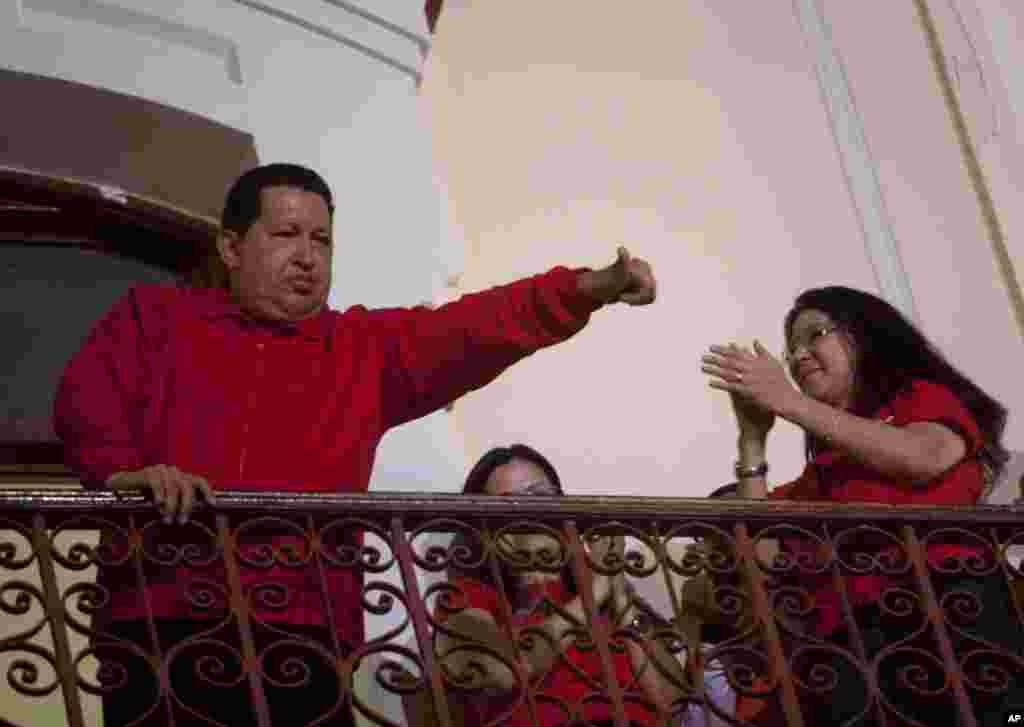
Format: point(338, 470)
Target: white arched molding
point(142, 23)
point(390, 44)
point(859, 167)
point(206, 42)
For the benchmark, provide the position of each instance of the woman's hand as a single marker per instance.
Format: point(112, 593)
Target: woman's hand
point(756, 382)
point(754, 421)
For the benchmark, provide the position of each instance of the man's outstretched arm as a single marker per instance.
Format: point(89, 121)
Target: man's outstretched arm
point(435, 356)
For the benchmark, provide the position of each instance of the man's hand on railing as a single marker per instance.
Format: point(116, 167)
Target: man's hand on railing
point(173, 491)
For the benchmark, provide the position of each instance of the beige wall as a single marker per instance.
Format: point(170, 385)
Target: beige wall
point(696, 134)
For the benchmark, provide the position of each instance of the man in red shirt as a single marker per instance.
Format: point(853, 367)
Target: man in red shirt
point(181, 391)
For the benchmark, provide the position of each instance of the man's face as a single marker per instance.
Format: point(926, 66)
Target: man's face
point(281, 269)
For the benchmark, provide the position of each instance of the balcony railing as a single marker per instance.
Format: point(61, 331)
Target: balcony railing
point(250, 569)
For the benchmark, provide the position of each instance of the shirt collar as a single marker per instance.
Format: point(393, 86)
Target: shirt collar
point(217, 303)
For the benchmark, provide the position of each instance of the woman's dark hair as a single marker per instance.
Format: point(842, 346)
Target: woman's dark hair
point(476, 480)
point(476, 483)
point(890, 353)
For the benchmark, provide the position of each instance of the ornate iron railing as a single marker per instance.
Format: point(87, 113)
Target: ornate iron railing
point(269, 583)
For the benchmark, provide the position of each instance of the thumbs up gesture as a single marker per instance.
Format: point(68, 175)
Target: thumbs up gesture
point(628, 280)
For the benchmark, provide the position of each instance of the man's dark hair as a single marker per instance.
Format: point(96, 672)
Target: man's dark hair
point(243, 204)
point(890, 353)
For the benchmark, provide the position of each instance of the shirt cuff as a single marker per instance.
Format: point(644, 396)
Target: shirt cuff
point(575, 300)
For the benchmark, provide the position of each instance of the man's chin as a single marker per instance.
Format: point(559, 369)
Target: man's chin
point(296, 308)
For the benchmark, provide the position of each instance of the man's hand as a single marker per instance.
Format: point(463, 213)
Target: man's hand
point(174, 491)
point(627, 280)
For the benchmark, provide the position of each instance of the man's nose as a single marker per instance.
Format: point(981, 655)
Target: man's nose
point(304, 255)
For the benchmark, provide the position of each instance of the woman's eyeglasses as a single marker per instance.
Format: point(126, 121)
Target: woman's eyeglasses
point(537, 488)
point(809, 342)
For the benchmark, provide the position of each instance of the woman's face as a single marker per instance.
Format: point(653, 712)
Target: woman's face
point(520, 477)
point(822, 359)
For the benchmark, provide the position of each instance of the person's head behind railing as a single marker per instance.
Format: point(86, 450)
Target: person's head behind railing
point(515, 470)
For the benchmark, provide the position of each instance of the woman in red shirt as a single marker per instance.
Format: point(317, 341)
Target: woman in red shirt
point(546, 614)
point(888, 420)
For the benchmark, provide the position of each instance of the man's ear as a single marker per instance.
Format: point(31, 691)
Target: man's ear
point(227, 247)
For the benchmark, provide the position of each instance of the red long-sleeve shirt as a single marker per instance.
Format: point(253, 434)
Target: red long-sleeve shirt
point(180, 376)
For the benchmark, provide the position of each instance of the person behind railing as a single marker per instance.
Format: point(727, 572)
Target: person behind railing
point(887, 420)
point(180, 392)
point(560, 662)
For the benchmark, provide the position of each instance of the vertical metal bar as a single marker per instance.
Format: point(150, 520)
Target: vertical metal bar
point(58, 624)
point(240, 607)
point(597, 627)
point(321, 574)
point(163, 676)
point(504, 604)
point(763, 612)
point(420, 622)
point(689, 635)
point(839, 584)
point(1008, 570)
point(328, 610)
point(938, 622)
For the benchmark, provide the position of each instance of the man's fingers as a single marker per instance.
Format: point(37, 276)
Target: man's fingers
point(126, 481)
point(640, 285)
point(191, 487)
point(640, 298)
point(204, 487)
point(188, 497)
point(171, 495)
point(155, 482)
point(174, 492)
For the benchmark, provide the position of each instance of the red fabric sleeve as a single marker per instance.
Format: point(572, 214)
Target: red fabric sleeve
point(930, 402)
point(435, 356)
point(97, 410)
point(804, 487)
point(474, 594)
point(923, 401)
